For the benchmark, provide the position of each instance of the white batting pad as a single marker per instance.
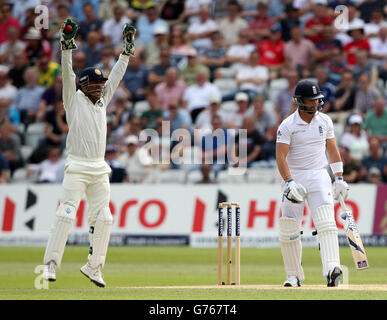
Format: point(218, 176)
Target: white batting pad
point(291, 247)
point(328, 237)
point(99, 238)
point(64, 218)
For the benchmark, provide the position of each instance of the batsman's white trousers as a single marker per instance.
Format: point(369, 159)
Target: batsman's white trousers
point(318, 185)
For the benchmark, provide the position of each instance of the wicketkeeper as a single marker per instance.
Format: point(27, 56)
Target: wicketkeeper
point(86, 171)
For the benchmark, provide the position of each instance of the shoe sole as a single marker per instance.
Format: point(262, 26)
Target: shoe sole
point(98, 284)
point(335, 277)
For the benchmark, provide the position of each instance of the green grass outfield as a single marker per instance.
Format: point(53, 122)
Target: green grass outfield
point(180, 273)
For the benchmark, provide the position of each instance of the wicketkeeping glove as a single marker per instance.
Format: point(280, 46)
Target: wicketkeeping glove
point(294, 192)
point(128, 38)
point(67, 40)
point(340, 187)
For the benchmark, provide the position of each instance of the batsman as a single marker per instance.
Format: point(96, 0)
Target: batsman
point(303, 139)
point(86, 172)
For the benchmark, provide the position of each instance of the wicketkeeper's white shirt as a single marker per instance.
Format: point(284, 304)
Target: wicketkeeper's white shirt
point(307, 141)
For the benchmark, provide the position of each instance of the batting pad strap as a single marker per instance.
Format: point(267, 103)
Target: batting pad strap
point(337, 167)
point(99, 238)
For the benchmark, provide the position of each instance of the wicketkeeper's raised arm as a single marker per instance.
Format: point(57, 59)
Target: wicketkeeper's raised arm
point(119, 68)
point(68, 32)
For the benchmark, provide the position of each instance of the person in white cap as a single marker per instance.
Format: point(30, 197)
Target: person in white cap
point(86, 171)
point(356, 139)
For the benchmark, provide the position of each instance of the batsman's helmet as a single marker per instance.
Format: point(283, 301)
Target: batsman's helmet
point(309, 90)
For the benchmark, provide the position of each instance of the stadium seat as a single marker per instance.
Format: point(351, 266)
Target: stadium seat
point(226, 85)
point(20, 176)
point(262, 175)
point(140, 107)
point(229, 106)
point(172, 176)
point(276, 85)
point(227, 72)
point(26, 151)
point(232, 175)
point(34, 133)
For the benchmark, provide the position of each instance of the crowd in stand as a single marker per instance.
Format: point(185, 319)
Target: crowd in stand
point(199, 64)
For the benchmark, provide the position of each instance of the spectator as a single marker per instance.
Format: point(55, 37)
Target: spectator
point(271, 51)
point(253, 77)
point(153, 49)
point(372, 28)
point(92, 49)
point(197, 96)
point(376, 121)
point(283, 100)
point(28, 97)
point(90, 23)
point(36, 46)
point(146, 24)
point(205, 170)
point(178, 117)
point(374, 160)
point(204, 119)
point(10, 147)
point(374, 176)
point(378, 44)
point(365, 95)
point(199, 33)
point(269, 147)
point(112, 28)
point(118, 173)
point(191, 10)
point(4, 169)
point(171, 89)
point(346, 93)
point(189, 73)
point(235, 119)
point(356, 139)
point(314, 27)
point(336, 66)
point(20, 7)
point(7, 20)
point(9, 47)
point(48, 71)
point(351, 167)
point(231, 25)
point(50, 170)
point(299, 51)
point(9, 115)
point(30, 19)
point(135, 160)
point(137, 8)
point(260, 26)
point(106, 8)
point(149, 117)
point(79, 62)
point(368, 6)
point(171, 11)
point(107, 60)
point(290, 19)
point(52, 94)
point(136, 78)
point(328, 90)
point(364, 65)
point(158, 72)
point(121, 112)
point(215, 57)
point(263, 118)
point(19, 66)
point(180, 47)
point(77, 9)
point(359, 41)
point(325, 47)
point(7, 90)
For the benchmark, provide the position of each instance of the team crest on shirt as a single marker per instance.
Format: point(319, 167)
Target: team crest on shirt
point(99, 103)
point(320, 130)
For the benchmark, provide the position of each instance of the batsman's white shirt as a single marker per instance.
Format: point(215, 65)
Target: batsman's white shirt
point(86, 138)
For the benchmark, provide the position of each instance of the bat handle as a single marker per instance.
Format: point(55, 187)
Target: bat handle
point(342, 203)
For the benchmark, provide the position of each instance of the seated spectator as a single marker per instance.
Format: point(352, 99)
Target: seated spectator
point(28, 97)
point(152, 50)
point(132, 127)
point(106, 8)
point(118, 173)
point(314, 27)
point(49, 170)
point(180, 47)
point(299, 51)
point(90, 23)
point(51, 95)
point(205, 170)
point(204, 120)
point(149, 117)
point(30, 18)
point(16, 72)
point(191, 10)
point(284, 99)
point(259, 27)
point(253, 77)
point(269, 146)
point(376, 121)
point(77, 8)
point(112, 28)
point(345, 94)
point(372, 28)
point(290, 19)
point(7, 20)
point(7, 90)
point(367, 7)
point(233, 23)
point(235, 119)
point(325, 47)
point(336, 66)
point(178, 117)
point(10, 147)
point(92, 49)
point(172, 89)
point(215, 57)
point(374, 160)
point(36, 46)
point(135, 160)
point(262, 117)
point(359, 41)
point(147, 23)
point(328, 90)
point(9, 47)
point(79, 62)
point(378, 52)
point(199, 33)
point(197, 96)
point(107, 62)
point(374, 176)
point(271, 51)
point(137, 8)
point(364, 65)
point(120, 112)
point(4, 169)
point(171, 11)
point(9, 115)
point(351, 167)
point(356, 139)
point(188, 73)
point(136, 78)
point(157, 73)
point(365, 95)
point(48, 71)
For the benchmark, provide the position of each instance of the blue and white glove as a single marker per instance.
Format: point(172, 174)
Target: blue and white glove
point(340, 187)
point(294, 192)
point(128, 35)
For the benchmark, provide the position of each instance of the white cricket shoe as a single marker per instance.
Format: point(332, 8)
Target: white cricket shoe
point(94, 274)
point(49, 272)
point(292, 281)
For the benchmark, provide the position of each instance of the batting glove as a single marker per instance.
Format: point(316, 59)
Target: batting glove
point(340, 187)
point(128, 37)
point(294, 192)
point(68, 39)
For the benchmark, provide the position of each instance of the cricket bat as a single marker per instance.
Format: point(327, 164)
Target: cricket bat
point(353, 237)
